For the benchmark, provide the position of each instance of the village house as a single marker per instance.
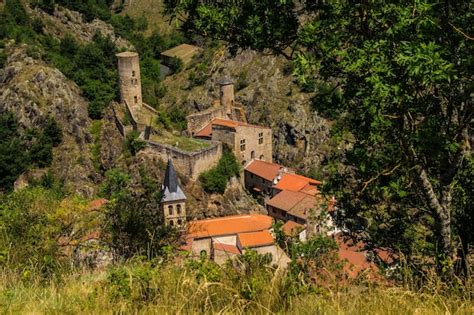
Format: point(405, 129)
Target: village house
point(248, 142)
point(292, 198)
point(224, 238)
point(259, 176)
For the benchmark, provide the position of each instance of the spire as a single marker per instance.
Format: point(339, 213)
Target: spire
point(171, 178)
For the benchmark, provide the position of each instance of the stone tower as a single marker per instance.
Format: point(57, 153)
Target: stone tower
point(227, 94)
point(129, 74)
point(173, 202)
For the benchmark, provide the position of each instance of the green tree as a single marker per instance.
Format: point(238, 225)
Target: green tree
point(14, 159)
point(397, 77)
point(215, 180)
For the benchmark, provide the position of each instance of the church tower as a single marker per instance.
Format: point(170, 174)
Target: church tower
point(173, 202)
point(130, 83)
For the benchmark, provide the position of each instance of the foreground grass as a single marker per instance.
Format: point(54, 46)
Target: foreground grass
point(174, 290)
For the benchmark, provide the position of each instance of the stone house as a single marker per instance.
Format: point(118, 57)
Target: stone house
point(173, 202)
point(248, 142)
point(225, 238)
point(259, 176)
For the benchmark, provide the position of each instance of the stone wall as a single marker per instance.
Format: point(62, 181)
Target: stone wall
point(199, 120)
point(190, 164)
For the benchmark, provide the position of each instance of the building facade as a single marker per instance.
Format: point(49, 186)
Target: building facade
point(173, 202)
point(248, 142)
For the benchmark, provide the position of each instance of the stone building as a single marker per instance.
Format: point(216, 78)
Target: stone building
point(183, 52)
point(173, 201)
point(259, 176)
point(224, 238)
point(129, 79)
point(224, 108)
point(248, 142)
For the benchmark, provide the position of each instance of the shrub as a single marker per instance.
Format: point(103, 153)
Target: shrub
point(215, 180)
point(133, 143)
point(175, 64)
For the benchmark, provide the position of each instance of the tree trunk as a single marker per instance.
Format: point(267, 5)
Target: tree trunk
point(442, 211)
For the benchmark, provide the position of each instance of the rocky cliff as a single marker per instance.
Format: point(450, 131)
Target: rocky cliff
point(33, 91)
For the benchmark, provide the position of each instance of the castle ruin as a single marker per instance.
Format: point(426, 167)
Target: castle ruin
point(224, 122)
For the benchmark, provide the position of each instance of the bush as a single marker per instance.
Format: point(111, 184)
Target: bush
point(18, 152)
point(215, 180)
point(133, 143)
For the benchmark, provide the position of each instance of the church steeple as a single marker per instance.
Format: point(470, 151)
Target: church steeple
point(174, 199)
point(171, 178)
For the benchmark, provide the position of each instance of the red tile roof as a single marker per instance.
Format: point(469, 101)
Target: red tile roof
point(295, 182)
point(255, 239)
point(229, 225)
point(293, 202)
point(263, 169)
point(290, 228)
point(227, 248)
point(207, 130)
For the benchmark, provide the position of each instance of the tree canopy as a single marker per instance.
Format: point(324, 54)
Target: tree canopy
point(397, 77)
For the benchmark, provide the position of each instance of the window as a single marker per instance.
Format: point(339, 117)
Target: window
point(170, 210)
point(178, 209)
point(133, 73)
point(136, 99)
point(180, 222)
point(252, 155)
point(171, 223)
point(260, 137)
point(242, 145)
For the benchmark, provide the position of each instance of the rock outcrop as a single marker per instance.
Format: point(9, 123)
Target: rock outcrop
point(64, 21)
point(33, 91)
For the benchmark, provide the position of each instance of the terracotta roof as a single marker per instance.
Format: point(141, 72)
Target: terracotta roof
point(263, 169)
point(310, 190)
point(255, 239)
point(97, 204)
point(290, 228)
point(227, 248)
point(229, 225)
point(295, 182)
point(302, 208)
point(287, 200)
point(207, 130)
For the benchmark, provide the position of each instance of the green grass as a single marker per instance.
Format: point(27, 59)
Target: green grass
point(183, 143)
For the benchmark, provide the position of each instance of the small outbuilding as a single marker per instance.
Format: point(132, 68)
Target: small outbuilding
point(183, 52)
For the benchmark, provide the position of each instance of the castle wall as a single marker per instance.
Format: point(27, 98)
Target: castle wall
point(225, 135)
point(190, 164)
point(199, 120)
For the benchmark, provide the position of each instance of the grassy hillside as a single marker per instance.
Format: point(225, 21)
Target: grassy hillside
point(152, 11)
point(166, 289)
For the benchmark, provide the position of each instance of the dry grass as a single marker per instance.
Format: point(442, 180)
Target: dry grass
point(152, 10)
point(174, 290)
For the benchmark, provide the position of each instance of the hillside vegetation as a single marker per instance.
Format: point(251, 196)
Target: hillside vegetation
point(372, 98)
